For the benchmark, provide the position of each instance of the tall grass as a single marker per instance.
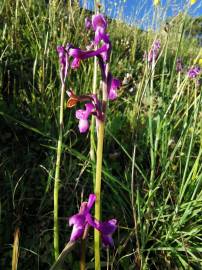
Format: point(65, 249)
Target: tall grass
point(152, 169)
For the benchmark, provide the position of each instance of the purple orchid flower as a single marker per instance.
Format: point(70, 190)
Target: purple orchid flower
point(179, 65)
point(63, 59)
point(154, 51)
point(80, 220)
point(99, 25)
point(93, 108)
point(79, 54)
point(106, 228)
point(193, 72)
point(112, 85)
point(88, 23)
point(83, 115)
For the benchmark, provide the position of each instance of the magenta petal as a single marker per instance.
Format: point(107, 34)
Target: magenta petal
point(77, 219)
point(107, 240)
point(92, 222)
point(83, 126)
point(77, 232)
point(83, 208)
point(88, 23)
point(99, 21)
point(75, 63)
point(75, 52)
point(91, 201)
point(112, 94)
point(82, 114)
point(89, 108)
point(108, 227)
point(115, 84)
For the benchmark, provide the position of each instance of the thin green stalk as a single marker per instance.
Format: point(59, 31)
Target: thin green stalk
point(92, 131)
point(98, 191)
point(83, 255)
point(98, 176)
point(57, 176)
point(152, 155)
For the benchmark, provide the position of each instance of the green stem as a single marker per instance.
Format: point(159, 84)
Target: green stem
point(98, 191)
point(57, 176)
point(83, 255)
point(92, 131)
point(100, 142)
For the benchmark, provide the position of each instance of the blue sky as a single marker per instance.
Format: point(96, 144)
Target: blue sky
point(140, 12)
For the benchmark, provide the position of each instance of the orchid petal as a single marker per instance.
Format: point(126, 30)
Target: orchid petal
point(82, 114)
point(75, 63)
point(92, 222)
point(107, 240)
point(89, 108)
point(77, 219)
point(91, 201)
point(88, 23)
point(108, 227)
point(112, 85)
point(98, 21)
point(77, 232)
point(83, 126)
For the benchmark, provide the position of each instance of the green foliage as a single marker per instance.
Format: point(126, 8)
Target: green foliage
point(152, 157)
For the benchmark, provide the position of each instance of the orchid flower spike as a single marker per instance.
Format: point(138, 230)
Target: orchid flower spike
point(99, 25)
point(79, 221)
point(154, 51)
point(64, 60)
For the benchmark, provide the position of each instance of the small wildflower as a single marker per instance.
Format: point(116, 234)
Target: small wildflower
point(88, 23)
point(79, 221)
point(192, 2)
point(100, 25)
point(106, 228)
point(83, 115)
point(179, 65)
point(194, 72)
point(156, 2)
point(112, 85)
point(63, 59)
point(154, 51)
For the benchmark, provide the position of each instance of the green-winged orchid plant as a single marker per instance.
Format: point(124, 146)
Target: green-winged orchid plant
point(71, 57)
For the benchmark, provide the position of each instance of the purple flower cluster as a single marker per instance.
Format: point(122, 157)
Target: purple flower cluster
point(83, 220)
point(193, 72)
point(63, 53)
point(101, 48)
point(153, 52)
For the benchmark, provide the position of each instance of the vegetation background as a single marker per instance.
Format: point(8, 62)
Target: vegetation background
point(152, 171)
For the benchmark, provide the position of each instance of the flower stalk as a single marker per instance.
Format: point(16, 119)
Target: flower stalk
point(83, 255)
point(57, 175)
point(98, 178)
point(98, 192)
point(92, 130)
